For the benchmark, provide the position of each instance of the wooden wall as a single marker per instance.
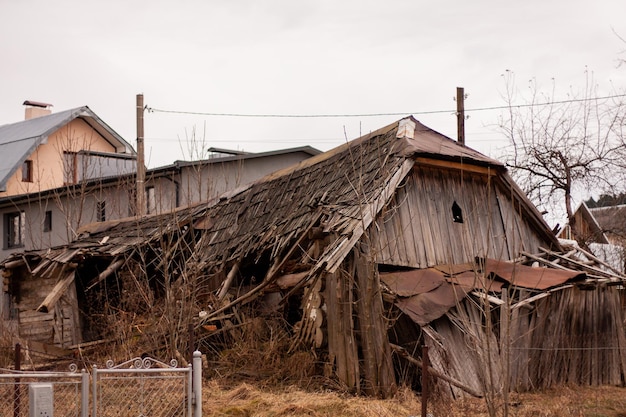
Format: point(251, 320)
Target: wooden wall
point(417, 228)
point(60, 326)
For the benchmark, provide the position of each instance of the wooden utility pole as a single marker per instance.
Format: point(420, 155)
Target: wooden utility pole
point(460, 114)
point(141, 166)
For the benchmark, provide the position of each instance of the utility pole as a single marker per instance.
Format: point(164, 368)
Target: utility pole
point(460, 115)
point(141, 166)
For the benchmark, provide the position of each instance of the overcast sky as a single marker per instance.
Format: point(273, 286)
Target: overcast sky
point(296, 57)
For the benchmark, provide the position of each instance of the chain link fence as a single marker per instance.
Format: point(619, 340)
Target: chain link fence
point(67, 392)
point(138, 387)
point(142, 387)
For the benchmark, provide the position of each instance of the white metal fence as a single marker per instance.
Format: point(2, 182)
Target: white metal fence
point(138, 387)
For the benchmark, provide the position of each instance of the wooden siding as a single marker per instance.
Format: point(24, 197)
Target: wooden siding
point(417, 229)
point(58, 327)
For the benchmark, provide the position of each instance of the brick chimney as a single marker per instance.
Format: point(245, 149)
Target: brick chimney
point(36, 109)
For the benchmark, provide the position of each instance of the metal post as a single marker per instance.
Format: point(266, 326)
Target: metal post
point(425, 363)
point(94, 392)
point(16, 388)
point(197, 383)
point(84, 394)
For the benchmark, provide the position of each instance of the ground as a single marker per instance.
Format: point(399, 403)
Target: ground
point(246, 400)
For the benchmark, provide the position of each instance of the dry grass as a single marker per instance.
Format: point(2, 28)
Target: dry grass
point(246, 400)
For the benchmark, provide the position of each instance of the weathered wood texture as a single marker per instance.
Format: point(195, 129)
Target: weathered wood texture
point(59, 325)
point(417, 227)
point(578, 338)
point(377, 364)
point(572, 336)
point(342, 347)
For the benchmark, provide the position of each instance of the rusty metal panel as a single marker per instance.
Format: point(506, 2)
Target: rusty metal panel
point(424, 308)
point(412, 282)
point(475, 280)
point(529, 277)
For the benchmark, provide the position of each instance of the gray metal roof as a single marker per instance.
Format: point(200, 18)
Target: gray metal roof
point(19, 140)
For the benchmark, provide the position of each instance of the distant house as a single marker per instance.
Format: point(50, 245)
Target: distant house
point(603, 230)
point(50, 154)
point(365, 253)
point(50, 150)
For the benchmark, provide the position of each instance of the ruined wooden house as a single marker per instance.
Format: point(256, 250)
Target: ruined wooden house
point(400, 238)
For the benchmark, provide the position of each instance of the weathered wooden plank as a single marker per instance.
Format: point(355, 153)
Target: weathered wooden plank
point(377, 364)
point(30, 316)
point(59, 289)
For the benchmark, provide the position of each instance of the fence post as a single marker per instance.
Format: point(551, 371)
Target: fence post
point(425, 363)
point(94, 392)
point(197, 383)
point(84, 394)
point(16, 388)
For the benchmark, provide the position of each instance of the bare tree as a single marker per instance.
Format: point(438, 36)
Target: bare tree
point(562, 150)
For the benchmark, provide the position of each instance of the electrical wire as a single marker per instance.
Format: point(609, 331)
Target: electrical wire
point(453, 111)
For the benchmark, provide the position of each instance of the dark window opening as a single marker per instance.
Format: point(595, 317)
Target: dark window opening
point(14, 226)
point(47, 221)
point(27, 171)
point(150, 200)
point(70, 167)
point(132, 202)
point(101, 214)
point(457, 213)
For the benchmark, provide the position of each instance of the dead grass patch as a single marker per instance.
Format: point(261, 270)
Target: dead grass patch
point(250, 400)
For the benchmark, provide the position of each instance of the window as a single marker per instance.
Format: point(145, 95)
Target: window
point(150, 200)
point(101, 214)
point(47, 221)
point(27, 171)
point(132, 201)
point(70, 171)
point(14, 224)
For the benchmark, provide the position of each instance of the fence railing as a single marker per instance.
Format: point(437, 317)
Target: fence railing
point(142, 387)
point(67, 393)
point(138, 387)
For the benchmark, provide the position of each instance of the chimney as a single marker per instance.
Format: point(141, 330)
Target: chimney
point(36, 109)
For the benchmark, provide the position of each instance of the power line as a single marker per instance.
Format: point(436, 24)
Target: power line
point(451, 111)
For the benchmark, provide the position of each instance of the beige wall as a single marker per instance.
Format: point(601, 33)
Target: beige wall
point(48, 158)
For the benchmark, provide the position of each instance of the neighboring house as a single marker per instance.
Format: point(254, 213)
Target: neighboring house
point(185, 183)
point(49, 153)
point(603, 231)
point(398, 239)
point(53, 217)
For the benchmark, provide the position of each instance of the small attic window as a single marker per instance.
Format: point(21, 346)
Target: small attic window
point(27, 171)
point(457, 213)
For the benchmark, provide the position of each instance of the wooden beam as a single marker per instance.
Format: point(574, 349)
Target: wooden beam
point(228, 281)
point(437, 163)
point(14, 264)
point(291, 280)
point(59, 289)
point(113, 266)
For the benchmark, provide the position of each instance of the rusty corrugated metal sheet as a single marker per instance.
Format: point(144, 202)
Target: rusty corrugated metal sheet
point(424, 308)
point(427, 294)
point(476, 280)
point(412, 282)
point(529, 277)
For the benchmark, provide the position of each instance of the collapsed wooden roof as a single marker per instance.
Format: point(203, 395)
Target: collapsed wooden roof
point(297, 227)
point(340, 192)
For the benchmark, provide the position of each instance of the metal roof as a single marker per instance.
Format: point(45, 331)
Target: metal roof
point(19, 140)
